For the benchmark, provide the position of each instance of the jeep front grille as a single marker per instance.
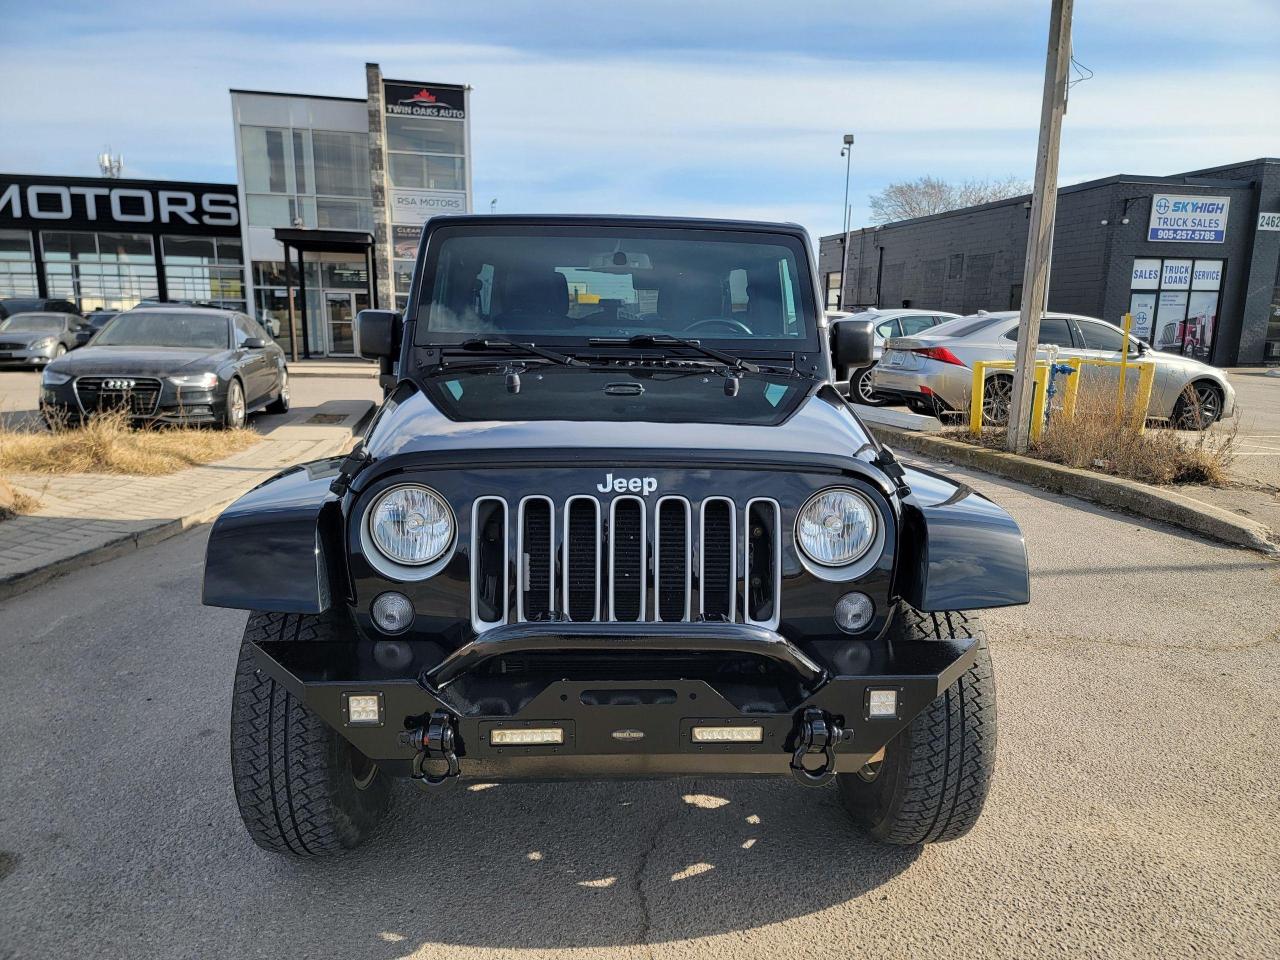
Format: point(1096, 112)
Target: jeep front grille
point(627, 560)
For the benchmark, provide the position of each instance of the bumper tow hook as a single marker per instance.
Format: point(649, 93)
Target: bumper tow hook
point(436, 741)
point(818, 733)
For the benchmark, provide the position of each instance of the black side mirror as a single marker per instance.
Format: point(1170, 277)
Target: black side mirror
point(377, 331)
point(253, 343)
point(853, 343)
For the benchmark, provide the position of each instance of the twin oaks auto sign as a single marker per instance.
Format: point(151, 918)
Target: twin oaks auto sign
point(1176, 219)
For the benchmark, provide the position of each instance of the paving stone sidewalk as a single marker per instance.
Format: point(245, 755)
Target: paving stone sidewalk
point(88, 518)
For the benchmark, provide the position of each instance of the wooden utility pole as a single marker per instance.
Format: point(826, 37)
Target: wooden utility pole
point(1044, 206)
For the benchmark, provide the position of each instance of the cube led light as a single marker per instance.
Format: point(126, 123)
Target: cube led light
point(882, 703)
point(737, 734)
point(364, 708)
point(525, 736)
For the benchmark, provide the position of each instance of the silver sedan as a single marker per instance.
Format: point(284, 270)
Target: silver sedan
point(933, 371)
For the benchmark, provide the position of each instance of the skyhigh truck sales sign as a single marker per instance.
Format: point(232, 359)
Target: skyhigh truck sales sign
point(1177, 219)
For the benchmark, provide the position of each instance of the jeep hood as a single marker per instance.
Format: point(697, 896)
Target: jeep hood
point(597, 410)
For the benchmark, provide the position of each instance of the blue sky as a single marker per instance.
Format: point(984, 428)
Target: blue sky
point(710, 108)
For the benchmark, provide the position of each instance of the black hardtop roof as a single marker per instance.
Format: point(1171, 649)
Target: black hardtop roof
point(612, 220)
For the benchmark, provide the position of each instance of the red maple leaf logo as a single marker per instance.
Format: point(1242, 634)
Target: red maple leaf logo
point(424, 96)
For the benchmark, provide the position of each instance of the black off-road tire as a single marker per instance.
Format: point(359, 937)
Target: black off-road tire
point(302, 789)
point(934, 778)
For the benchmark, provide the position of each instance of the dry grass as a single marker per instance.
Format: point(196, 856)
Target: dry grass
point(109, 444)
point(14, 502)
point(1096, 439)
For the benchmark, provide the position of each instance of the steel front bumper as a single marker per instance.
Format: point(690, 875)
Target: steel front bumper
point(612, 728)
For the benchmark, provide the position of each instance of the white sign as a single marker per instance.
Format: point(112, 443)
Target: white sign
point(1146, 274)
point(1177, 219)
point(1269, 221)
point(1207, 275)
point(415, 207)
point(1177, 275)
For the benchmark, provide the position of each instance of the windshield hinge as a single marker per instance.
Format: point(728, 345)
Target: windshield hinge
point(351, 465)
point(888, 463)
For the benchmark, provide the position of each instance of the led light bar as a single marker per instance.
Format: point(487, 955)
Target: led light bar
point(737, 734)
point(525, 736)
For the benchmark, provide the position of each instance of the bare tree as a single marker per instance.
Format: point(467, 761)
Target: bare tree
point(928, 195)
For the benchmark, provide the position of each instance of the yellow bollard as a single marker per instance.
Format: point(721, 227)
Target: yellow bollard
point(975, 397)
point(1070, 389)
point(1126, 324)
point(1039, 400)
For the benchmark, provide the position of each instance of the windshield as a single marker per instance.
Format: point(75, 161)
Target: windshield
point(553, 283)
point(155, 329)
point(33, 322)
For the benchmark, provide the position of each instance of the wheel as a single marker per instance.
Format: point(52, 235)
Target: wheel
point(860, 390)
point(1199, 406)
point(281, 403)
point(234, 413)
point(302, 789)
point(931, 781)
point(997, 398)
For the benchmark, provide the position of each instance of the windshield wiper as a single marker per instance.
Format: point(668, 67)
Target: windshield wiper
point(499, 343)
point(665, 340)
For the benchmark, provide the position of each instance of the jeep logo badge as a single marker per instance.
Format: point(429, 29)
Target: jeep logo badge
point(645, 485)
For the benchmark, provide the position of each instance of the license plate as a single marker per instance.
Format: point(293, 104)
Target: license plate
point(895, 359)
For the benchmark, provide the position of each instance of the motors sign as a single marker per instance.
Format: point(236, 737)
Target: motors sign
point(442, 101)
point(35, 203)
point(414, 207)
point(1177, 219)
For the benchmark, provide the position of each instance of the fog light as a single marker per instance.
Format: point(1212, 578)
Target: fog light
point(392, 612)
point(364, 709)
point(526, 736)
point(854, 612)
point(882, 703)
point(728, 734)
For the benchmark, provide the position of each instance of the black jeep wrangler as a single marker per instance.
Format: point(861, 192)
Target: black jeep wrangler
point(612, 520)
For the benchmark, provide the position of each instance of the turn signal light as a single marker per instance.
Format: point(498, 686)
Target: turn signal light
point(941, 354)
point(728, 734)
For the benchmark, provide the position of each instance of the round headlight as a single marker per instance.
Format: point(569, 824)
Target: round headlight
point(411, 525)
point(836, 527)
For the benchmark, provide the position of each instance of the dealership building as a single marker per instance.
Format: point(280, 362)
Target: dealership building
point(323, 221)
point(1195, 257)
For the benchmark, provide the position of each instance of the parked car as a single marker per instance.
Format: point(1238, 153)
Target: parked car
point(171, 364)
point(92, 324)
point(856, 384)
point(34, 339)
point(932, 371)
point(36, 305)
point(627, 529)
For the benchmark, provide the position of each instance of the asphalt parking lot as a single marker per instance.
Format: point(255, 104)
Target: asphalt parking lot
point(1133, 812)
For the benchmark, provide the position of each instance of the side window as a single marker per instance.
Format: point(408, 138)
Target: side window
point(1101, 336)
point(888, 329)
point(916, 324)
point(240, 330)
point(788, 298)
point(1053, 330)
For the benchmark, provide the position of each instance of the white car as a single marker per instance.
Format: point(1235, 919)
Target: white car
point(856, 385)
point(932, 372)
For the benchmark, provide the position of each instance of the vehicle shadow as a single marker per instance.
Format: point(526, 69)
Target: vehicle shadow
point(595, 865)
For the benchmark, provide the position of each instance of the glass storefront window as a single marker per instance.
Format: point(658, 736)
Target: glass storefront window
point(204, 269)
point(109, 270)
point(427, 172)
point(332, 214)
point(425, 135)
point(341, 163)
point(17, 264)
point(1174, 303)
point(266, 158)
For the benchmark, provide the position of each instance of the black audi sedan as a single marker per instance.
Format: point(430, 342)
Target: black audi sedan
point(170, 365)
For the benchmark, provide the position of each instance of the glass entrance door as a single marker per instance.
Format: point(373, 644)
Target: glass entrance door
point(340, 313)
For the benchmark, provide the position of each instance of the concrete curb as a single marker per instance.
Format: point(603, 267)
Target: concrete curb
point(1115, 493)
point(164, 529)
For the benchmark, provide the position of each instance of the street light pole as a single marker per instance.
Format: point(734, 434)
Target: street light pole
point(847, 152)
point(1044, 207)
